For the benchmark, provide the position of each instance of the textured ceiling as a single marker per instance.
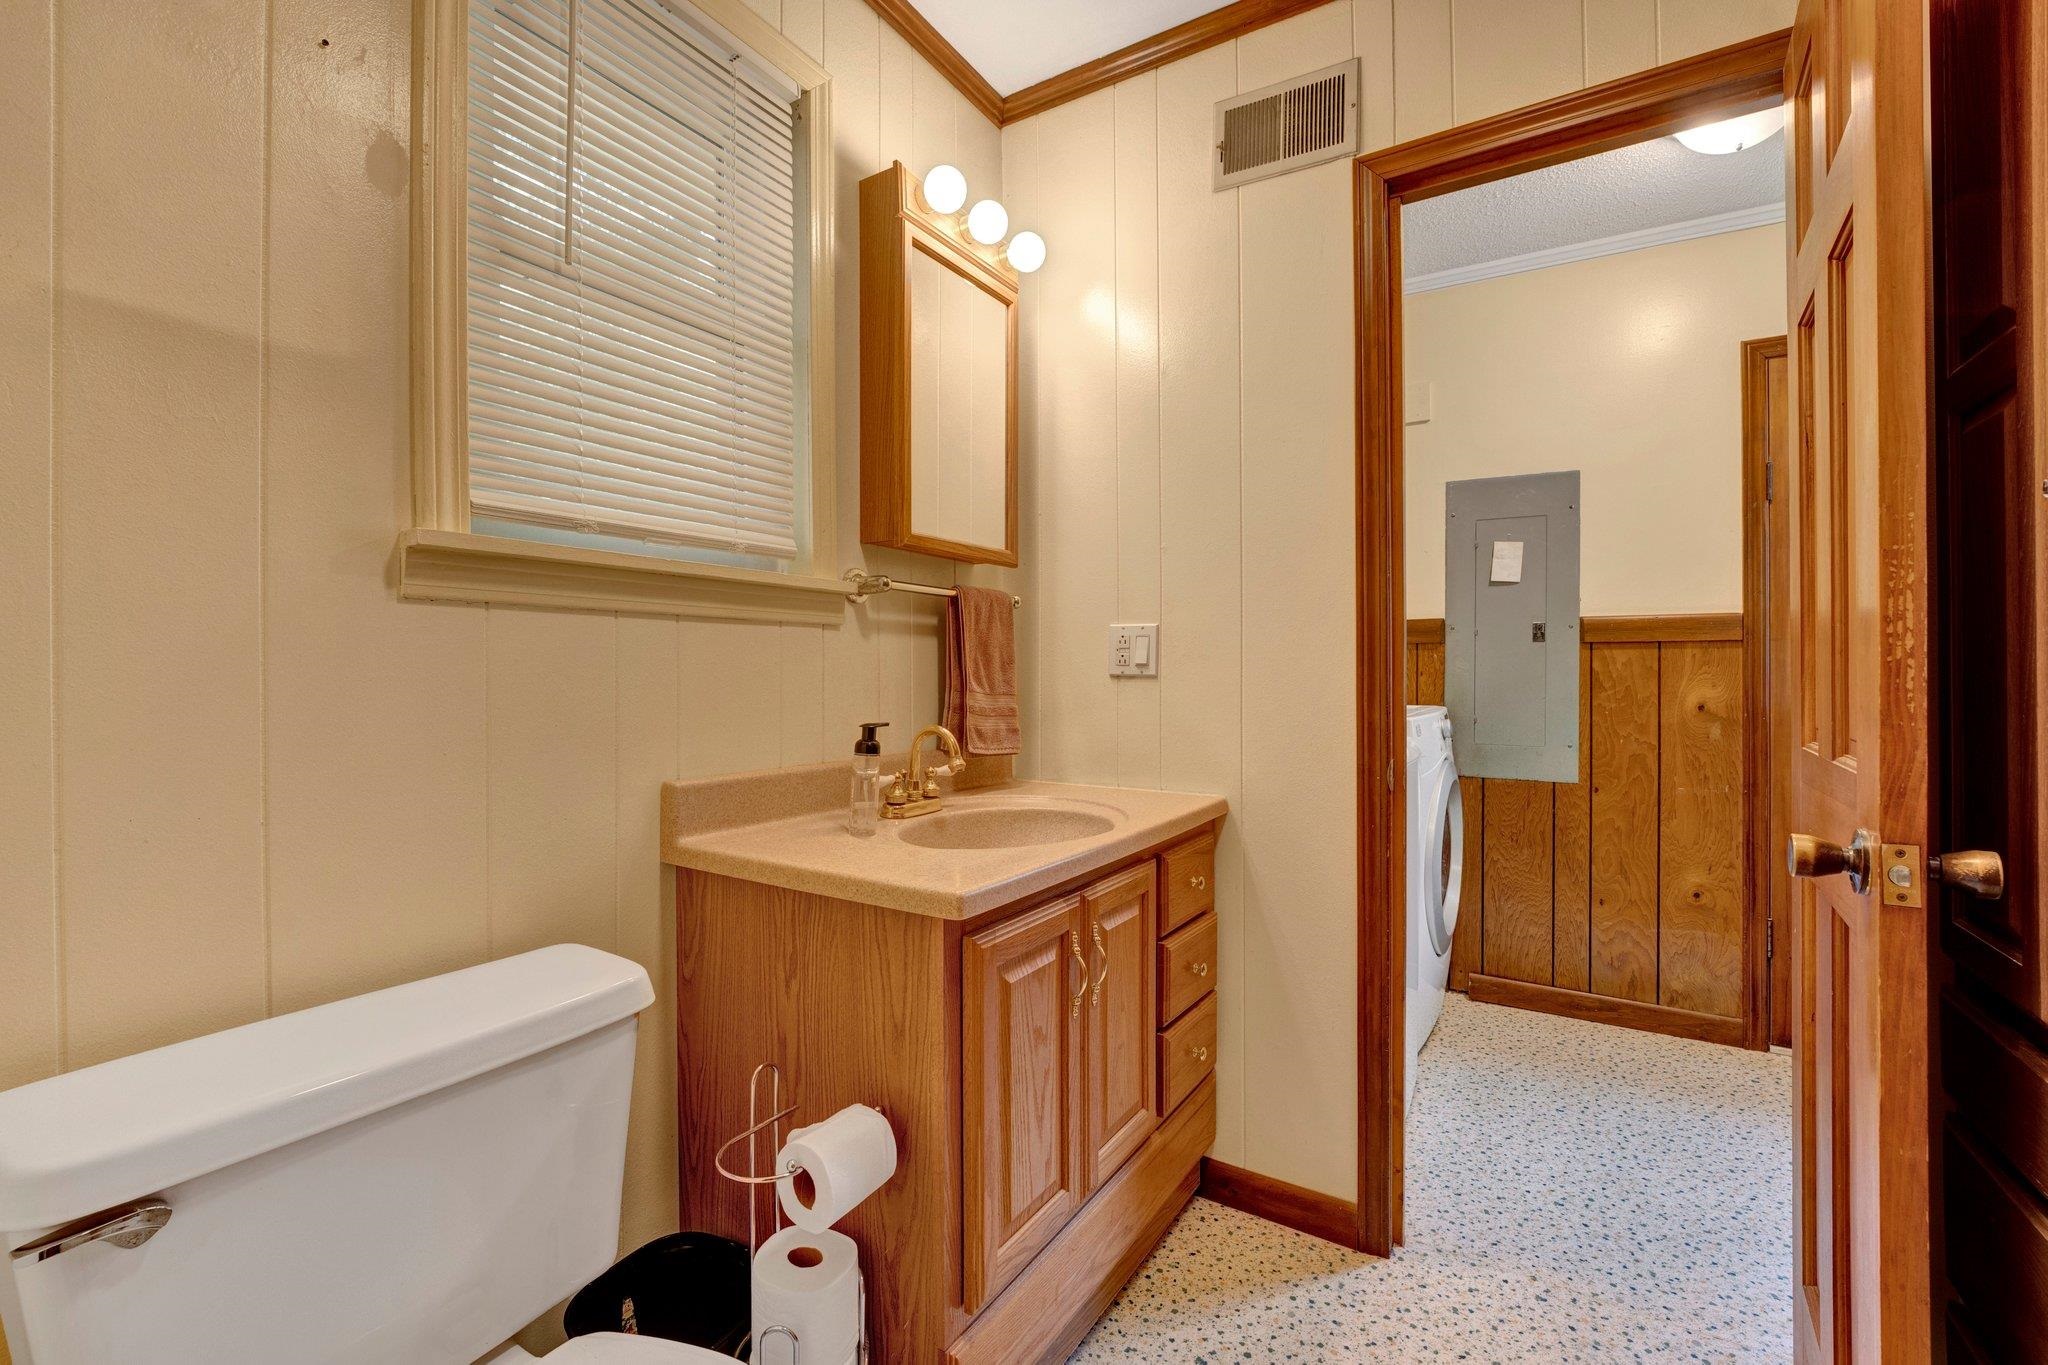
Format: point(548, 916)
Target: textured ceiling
point(1015, 43)
point(1648, 185)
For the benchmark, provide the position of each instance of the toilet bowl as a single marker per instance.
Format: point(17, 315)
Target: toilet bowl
point(410, 1175)
point(1436, 857)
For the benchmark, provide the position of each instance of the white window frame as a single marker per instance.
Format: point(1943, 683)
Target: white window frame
point(439, 557)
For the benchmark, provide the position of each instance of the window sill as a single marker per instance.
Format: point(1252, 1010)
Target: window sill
point(457, 566)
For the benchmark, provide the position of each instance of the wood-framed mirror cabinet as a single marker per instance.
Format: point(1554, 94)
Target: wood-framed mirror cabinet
point(938, 380)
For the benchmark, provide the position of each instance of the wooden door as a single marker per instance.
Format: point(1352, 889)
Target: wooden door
point(1023, 992)
point(1851, 675)
point(1121, 912)
point(1766, 426)
point(1987, 106)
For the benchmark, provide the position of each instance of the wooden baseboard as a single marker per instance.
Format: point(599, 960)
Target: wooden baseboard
point(1049, 1307)
point(1276, 1201)
point(1605, 1009)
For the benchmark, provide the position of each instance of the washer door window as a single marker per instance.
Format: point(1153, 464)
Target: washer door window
point(1443, 871)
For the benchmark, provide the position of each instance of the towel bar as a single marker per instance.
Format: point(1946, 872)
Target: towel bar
point(866, 585)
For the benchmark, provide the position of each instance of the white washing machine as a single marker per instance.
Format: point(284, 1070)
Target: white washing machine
point(1436, 865)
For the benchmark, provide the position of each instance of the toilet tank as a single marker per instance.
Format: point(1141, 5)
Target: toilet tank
point(406, 1176)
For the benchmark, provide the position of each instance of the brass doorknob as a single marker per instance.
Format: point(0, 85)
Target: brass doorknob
point(1806, 856)
point(1977, 871)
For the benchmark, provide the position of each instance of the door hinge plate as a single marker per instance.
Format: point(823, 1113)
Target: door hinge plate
point(1770, 938)
point(1900, 873)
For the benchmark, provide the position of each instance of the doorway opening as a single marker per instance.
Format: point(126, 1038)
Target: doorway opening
point(1400, 662)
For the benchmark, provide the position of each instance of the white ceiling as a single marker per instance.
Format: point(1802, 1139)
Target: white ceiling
point(1632, 189)
point(1015, 43)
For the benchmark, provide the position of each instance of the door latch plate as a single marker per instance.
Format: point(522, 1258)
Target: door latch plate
point(1900, 872)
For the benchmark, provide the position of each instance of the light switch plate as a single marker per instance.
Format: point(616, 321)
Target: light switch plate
point(1134, 651)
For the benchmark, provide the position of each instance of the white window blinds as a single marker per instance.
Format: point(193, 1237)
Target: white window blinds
point(633, 283)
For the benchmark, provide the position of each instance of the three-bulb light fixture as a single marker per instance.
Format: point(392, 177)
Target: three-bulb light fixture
point(988, 222)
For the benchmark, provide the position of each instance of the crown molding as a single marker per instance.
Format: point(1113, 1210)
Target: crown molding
point(1712, 225)
point(1182, 40)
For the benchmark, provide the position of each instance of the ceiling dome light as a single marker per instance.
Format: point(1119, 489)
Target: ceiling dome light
point(1026, 251)
point(945, 189)
point(1734, 134)
point(987, 222)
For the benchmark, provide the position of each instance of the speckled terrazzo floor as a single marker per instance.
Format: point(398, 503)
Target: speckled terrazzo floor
point(1576, 1192)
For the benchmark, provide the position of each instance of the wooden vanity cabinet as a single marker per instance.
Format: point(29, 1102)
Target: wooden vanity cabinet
point(1017, 1056)
point(1121, 1111)
point(1187, 881)
point(1022, 987)
point(1057, 1092)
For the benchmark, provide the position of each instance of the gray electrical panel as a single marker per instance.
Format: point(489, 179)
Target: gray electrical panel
point(1511, 625)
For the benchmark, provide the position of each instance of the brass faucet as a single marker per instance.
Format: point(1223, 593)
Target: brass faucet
point(916, 792)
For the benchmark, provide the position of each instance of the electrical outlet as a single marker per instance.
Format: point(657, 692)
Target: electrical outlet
point(1134, 651)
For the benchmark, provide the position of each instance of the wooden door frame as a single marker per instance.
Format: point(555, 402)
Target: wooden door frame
point(1763, 817)
point(1732, 80)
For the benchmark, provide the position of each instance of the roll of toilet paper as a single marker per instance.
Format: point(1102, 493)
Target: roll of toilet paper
point(840, 1162)
point(808, 1285)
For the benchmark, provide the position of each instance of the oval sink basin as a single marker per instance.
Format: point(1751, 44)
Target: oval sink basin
point(1002, 827)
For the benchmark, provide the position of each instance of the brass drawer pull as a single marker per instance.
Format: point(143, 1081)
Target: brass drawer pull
point(1082, 963)
point(1102, 975)
point(1200, 1054)
point(1199, 968)
point(1199, 882)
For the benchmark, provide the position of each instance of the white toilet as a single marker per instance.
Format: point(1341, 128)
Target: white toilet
point(402, 1178)
point(1436, 863)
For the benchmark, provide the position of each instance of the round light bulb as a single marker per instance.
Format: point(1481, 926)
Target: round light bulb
point(945, 189)
point(1734, 134)
point(1026, 252)
point(987, 222)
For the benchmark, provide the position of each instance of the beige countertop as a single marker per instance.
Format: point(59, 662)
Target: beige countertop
point(788, 829)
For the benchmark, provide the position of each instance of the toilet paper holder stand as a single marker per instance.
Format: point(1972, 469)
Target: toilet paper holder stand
point(754, 1179)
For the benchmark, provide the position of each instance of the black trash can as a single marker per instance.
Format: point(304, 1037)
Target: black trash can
point(688, 1286)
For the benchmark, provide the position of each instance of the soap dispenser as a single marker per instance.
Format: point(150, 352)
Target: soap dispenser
point(867, 778)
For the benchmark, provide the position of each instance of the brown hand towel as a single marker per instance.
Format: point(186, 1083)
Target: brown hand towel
point(981, 671)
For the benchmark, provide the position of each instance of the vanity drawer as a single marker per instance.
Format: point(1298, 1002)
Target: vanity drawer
point(1187, 1053)
point(1187, 967)
point(1187, 882)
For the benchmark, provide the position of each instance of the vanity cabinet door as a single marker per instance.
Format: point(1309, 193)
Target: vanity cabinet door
point(1023, 1008)
point(1121, 1014)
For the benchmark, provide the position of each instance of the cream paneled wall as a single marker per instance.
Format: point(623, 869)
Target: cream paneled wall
point(240, 776)
point(1188, 452)
point(1646, 403)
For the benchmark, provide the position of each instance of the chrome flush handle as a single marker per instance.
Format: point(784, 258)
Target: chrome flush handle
point(128, 1227)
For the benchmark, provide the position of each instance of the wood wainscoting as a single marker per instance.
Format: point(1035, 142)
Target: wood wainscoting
point(1622, 897)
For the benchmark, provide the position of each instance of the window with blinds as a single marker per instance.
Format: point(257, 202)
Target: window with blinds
point(634, 286)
